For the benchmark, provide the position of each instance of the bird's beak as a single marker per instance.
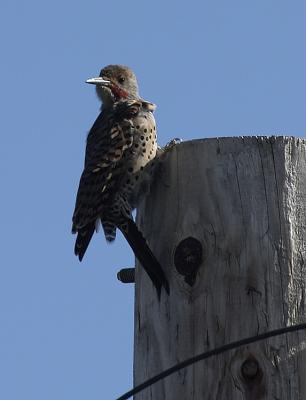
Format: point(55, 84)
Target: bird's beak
point(98, 81)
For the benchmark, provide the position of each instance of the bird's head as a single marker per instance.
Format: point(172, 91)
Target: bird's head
point(115, 82)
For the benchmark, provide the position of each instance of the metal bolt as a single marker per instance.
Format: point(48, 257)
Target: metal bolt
point(126, 275)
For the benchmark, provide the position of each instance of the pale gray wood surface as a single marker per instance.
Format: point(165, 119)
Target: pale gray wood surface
point(244, 199)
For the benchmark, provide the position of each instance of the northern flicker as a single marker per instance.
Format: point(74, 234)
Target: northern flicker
point(121, 142)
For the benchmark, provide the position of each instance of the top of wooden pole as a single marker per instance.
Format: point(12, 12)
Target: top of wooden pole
point(226, 219)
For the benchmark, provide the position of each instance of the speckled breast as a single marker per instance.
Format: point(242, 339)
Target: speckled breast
point(138, 155)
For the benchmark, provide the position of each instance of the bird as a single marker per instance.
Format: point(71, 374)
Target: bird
point(120, 145)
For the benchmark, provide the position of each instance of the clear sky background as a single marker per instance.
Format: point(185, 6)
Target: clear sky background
point(214, 68)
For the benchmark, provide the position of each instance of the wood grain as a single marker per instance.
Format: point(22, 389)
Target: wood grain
point(244, 199)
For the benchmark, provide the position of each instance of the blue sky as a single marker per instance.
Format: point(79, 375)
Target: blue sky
point(214, 68)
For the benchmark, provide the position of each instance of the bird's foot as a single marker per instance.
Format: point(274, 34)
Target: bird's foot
point(172, 143)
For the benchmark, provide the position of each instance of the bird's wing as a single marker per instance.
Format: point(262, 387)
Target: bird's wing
point(107, 141)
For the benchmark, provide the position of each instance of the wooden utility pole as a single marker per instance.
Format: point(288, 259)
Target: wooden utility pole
point(227, 220)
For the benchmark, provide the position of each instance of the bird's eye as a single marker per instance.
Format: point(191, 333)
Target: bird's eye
point(121, 79)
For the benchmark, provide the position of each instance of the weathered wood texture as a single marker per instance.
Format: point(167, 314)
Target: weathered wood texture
point(244, 199)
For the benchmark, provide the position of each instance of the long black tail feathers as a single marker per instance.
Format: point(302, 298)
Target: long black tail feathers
point(145, 256)
point(138, 244)
point(83, 239)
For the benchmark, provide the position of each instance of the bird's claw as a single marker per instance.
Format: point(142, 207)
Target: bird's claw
point(172, 143)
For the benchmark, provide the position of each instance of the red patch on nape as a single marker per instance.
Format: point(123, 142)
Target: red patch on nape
point(118, 92)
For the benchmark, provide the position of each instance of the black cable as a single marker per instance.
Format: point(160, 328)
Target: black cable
point(210, 353)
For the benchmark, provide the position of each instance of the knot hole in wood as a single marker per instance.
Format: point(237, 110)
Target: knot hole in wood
point(188, 257)
point(252, 375)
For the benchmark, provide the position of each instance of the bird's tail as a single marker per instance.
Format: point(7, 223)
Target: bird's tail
point(83, 239)
point(144, 254)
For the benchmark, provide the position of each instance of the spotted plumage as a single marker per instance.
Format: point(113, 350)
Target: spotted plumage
point(121, 143)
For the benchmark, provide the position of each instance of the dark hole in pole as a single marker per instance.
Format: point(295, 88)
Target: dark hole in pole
point(188, 258)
